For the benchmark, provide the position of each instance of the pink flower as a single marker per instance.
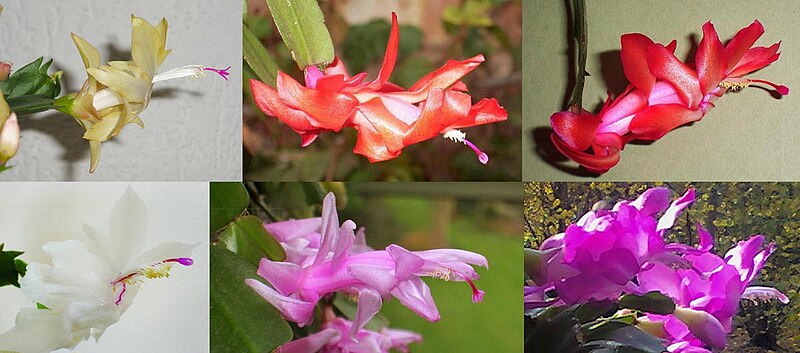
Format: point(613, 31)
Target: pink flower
point(598, 257)
point(333, 264)
point(664, 93)
point(335, 337)
point(707, 293)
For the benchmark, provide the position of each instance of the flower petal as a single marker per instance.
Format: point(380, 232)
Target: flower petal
point(665, 66)
point(656, 121)
point(38, 331)
point(576, 130)
point(266, 98)
point(755, 59)
point(741, 43)
point(703, 325)
point(390, 58)
point(668, 219)
point(369, 303)
point(294, 310)
point(328, 110)
point(710, 59)
point(311, 343)
point(634, 61)
point(596, 163)
point(443, 78)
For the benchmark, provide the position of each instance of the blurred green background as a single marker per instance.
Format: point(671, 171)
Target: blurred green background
point(731, 212)
point(431, 32)
point(479, 217)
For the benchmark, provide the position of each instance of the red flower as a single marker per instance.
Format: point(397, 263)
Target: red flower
point(386, 116)
point(664, 93)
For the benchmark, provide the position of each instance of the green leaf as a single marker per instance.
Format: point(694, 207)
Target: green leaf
point(247, 237)
point(11, 268)
point(348, 309)
point(302, 27)
point(32, 79)
point(228, 201)
point(241, 321)
point(624, 339)
point(474, 13)
point(258, 58)
point(652, 302)
point(292, 200)
point(26, 105)
point(41, 306)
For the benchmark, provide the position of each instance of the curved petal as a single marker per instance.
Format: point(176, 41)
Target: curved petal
point(764, 293)
point(656, 121)
point(145, 45)
point(703, 325)
point(385, 123)
point(665, 66)
point(710, 59)
point(37, 331)
point(328, 109)
point(370, 143)
point(595, 163)
point(741, 42)
point(294, 310)
point(294, 228)
point(576, 130)
point(416, 295)
point(755, 59)
point(311, 343)
point(284, 276)
point(444, 77)
point(668, 219)
point(634, 61)
point(266, 98)
point(369, 304)
point(390, 58)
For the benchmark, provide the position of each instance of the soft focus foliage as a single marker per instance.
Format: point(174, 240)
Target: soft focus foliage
point(730, 211)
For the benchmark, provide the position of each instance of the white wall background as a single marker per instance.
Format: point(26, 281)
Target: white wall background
point(168, 315)
point(192, 127)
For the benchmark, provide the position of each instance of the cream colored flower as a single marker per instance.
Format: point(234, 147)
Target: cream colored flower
point(115, 94)
point(9, 132)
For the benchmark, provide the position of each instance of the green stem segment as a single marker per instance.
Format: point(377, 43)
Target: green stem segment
point(580, 36)
point(302, 27)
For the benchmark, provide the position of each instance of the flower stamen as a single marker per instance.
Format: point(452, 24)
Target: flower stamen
point(458, 136)
point(193, 71)
point(154, 271)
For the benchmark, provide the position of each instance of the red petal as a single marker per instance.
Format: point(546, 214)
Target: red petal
point(575, 130)
point(337, 68)
point(370, 143)
point(331, 83)
point(390, 128)
point(442, 110)
point(266, 98)
point(741, 42)
point(658, 120)
point(487, 111)
point(595, 163)
point(329, 110)
point(444, 77)
point(664, 65)
point(634, 61)
point(710, 60)
point(755, 59)
point(390, 58)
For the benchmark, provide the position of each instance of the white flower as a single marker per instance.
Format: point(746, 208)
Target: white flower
point(90, 285)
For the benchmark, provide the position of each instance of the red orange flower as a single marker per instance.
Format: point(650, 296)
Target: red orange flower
point(664, 93)
point(387, 116)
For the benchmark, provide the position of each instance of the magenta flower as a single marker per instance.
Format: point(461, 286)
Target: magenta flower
point(331, 263)
point(597, 257)
point(707, 293)
point(334, 337)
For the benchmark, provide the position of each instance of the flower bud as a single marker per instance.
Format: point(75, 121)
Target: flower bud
point(9, 139)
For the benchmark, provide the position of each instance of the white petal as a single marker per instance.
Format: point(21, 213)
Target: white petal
point(127, 228)
point(76, 275)
point(161, 252)
point(37, 331)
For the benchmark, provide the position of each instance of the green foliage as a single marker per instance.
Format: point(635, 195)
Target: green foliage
point(227, 201)
point(302, 27)
point(471, 13)
point(258, 59)
point(241, 321)
point(730, 211)
point(11, 268)
point(247, 237)
point(30, 89)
